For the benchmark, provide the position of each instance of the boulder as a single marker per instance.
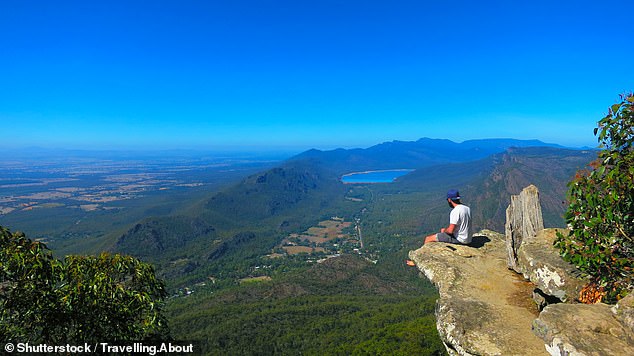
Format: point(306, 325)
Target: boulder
point(539, 261)
point(624, 313)
point(523, 220)
point(584, 329)
point(484, 308)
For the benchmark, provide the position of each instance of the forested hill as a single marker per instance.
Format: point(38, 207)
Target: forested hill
point(239, 224)
point(278, 197)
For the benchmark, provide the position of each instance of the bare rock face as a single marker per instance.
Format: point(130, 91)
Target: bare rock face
point(584, 329)
point(539, 261)
point(484, 308)
point(523, 220)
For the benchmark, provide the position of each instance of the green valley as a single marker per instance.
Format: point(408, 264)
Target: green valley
point(289, 259)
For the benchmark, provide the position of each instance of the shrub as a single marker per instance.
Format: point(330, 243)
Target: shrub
point(601, 211)
point(106, 298)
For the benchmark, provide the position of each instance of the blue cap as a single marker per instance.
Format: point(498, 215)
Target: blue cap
point(453, 194)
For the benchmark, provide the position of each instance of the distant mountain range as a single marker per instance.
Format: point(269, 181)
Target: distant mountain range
point(417, 154)
point(249, 218)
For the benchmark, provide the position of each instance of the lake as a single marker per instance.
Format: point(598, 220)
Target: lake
point(383, 176)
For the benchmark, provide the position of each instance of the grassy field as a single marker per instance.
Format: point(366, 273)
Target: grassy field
point(317, 239)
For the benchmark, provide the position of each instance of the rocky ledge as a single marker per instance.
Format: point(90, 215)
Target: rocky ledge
point(484, 308)
point(491, 294)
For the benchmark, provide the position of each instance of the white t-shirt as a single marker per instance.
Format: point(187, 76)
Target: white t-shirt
point(461, 217)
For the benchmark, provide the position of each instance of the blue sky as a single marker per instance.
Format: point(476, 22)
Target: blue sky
point(302, 74)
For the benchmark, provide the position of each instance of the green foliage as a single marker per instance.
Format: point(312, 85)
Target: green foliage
point(601, 211)
point(28, 276)
point(345, 305)
point(317, 325)
point(79, 299)
point(111, 297)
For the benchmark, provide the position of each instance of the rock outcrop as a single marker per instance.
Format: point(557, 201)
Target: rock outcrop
point(586, 329)
point(523, 220)
point(484, 308)
point(539, 261)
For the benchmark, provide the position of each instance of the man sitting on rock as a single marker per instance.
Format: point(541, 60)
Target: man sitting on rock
point(459, 229)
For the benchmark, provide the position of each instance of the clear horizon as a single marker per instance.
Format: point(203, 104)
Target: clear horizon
point(264, 150)
point(290, 76)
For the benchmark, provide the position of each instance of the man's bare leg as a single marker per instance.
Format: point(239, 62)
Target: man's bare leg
point(431, 238)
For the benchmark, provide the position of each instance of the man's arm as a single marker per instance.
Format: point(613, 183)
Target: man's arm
point(449, 229)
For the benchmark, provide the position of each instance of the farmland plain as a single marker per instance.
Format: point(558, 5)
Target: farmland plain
point(71, 201)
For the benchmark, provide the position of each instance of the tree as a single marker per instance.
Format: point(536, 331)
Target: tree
point(28, 277)
point(601, 211)
point(80, 299)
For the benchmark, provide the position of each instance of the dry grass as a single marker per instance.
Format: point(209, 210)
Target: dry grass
point(324, 231)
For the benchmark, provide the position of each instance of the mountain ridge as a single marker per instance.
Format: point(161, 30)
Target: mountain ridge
point(414, 154)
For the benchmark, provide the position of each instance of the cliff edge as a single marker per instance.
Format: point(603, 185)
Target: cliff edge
point(484, 308)
point(492, 292)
